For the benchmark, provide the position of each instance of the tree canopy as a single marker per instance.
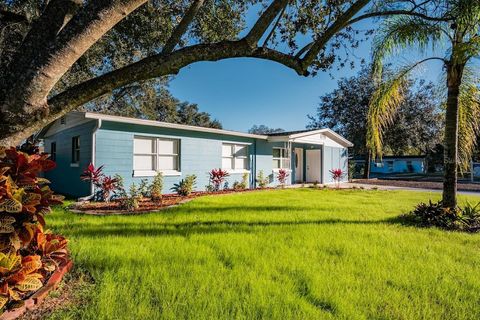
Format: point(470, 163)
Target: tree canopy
point(60, 54)
point(263, 129)
point(416, 128)
point(154, 103)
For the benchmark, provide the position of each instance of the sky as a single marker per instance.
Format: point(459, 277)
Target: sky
point(242, 92)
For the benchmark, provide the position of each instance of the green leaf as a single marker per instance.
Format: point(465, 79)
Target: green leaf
point(29, 284)
point(11, 205)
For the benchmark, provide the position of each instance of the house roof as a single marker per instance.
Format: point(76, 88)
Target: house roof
point(275, 136)
point(292, 135)
point(286, 133)
point(99, 116)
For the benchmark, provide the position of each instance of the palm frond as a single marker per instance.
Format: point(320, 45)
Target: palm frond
point(400, 32)
point(383, 106)
point(468, 121)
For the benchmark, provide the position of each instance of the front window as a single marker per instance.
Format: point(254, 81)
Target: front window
point(75, 150)
point(155, 154)
point(234, 156)
point(281, 158)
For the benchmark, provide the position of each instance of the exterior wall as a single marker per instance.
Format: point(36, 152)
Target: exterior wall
point(65, 178)
point(399, 166)
point(199, 152)
point(264, 161)
point(334, 158)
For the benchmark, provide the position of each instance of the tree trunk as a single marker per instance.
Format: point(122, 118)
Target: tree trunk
point(368, 160)
point(454, 79)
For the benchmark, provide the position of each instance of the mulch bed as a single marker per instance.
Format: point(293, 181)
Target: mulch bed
point(417, 184)
point(145, 205)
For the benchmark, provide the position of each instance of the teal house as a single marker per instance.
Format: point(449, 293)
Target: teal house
point(137, 149)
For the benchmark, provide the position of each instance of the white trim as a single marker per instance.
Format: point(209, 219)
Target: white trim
point(237, 171)
point(326, 132)
point(233, 157)
point(94, 148)
point(92, 115)
point(281, 159)
point(156, 154)
point(278, 169)
point(152, 173)
point(235, 142)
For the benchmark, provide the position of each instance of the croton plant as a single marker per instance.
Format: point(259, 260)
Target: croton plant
point(28, 253)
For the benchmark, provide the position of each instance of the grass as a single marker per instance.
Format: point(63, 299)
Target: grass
point(286, 254)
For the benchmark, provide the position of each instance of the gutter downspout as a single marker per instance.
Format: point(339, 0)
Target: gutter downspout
point(94, 148)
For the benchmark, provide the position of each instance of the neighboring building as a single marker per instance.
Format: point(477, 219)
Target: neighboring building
point(476, 169)
point(137, 149)
point(396, 164)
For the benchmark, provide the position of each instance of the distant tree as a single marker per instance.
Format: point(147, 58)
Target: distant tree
point(263, 129)
point(415, 130)
point(153, 102)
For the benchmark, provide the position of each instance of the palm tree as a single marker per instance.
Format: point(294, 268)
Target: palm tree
point(458, 33)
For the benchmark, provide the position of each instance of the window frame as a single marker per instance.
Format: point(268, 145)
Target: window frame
point(282, 158)
point(75, 156)
point(233, 157)
point(156, 154)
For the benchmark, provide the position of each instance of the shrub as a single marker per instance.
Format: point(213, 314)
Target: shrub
point(217, 177)
point(352, 167)
point(433, 214)
point(209, 188)
point(104, 185)
point(27, 254)
point(156, 187)
point(130, 201)
point(337, 175)
point(243, 184)
point(185, 186)
point(262, 181)
point(143, 188)
point(107, 186)
point(120, 192)
point(282, 176)
point(471, 217)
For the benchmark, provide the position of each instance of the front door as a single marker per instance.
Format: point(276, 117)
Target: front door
point(313, 166)
point(298, 165)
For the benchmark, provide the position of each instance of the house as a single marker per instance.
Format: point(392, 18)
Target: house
point(395, 164)
point(137, 149)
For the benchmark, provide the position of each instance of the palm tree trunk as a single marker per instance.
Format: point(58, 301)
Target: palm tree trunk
point(454, 79)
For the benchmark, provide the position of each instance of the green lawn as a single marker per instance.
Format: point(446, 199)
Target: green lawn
point(287, 254)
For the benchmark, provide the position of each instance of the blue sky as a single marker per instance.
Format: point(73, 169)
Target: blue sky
point(243, 92)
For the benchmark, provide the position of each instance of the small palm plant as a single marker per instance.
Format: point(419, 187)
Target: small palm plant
point(455, 27)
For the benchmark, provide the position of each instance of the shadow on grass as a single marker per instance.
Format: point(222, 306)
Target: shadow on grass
point(185, 229)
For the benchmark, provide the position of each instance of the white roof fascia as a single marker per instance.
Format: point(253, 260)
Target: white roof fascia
point(152, 123)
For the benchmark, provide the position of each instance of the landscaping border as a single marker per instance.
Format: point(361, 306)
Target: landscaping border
point(36, 299)
point(120, 213)
point(197, 194)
